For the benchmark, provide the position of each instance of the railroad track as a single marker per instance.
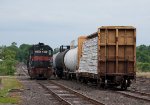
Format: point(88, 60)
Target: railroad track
point(136, 95)
point(142, 93)
point(25, 72)
point(21, 70)
point(66, 95)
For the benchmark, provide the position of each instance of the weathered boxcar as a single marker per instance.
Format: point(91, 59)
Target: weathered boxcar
point(40, 61)
point(109, 56)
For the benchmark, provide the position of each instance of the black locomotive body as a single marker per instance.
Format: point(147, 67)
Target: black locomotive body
point(40, 61)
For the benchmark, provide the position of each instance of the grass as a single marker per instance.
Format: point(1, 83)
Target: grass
point(9, 83)
point(143, 74)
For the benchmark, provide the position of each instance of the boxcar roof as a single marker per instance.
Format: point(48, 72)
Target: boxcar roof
point(117, 27)
point(95, 34)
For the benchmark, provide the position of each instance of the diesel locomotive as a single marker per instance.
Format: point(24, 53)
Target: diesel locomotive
point(39, 62)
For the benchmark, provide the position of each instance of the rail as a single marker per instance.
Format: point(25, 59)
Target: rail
point(66, 95)
point(136, 95)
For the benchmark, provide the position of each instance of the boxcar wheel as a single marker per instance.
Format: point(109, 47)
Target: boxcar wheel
point(124, 85)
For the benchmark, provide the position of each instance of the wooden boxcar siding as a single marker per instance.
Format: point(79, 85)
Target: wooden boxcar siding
point(81, 39)
point(116, 50)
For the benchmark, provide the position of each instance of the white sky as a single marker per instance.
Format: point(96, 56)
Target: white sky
point(57, 22)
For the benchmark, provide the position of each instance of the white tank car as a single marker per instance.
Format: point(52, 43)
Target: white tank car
point(70, 60)
point(54, 58)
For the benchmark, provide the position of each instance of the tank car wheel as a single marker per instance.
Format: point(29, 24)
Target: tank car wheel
point(85, 80)
point(59, 74)
point(31, 78)
point(78, 78)
point(67, 76)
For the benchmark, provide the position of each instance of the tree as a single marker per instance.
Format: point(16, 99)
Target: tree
point(13, 44)
point(8, 56)
point(143, 57)
point(23, 52)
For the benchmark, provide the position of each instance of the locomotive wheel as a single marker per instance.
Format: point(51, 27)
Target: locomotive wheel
point(78, 78)
point(31, 78)
point(67, 76)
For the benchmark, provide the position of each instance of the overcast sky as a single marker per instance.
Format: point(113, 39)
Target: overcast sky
point(57, 22)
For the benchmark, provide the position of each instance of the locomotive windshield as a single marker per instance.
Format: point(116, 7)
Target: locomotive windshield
point(41, 52)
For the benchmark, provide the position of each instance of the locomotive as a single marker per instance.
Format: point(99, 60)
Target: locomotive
point(106, 57)
point(39, 63)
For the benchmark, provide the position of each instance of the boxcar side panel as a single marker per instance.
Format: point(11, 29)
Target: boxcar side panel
point(117, 50)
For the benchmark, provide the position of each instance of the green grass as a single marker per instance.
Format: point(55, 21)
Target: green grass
point(9, 83)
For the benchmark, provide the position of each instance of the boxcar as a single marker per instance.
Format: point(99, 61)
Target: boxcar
point(111, 59)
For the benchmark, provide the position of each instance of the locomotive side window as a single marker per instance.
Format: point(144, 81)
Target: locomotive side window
point(50, 52)
point(37, 51)
point(41, 52)
point(45, 52)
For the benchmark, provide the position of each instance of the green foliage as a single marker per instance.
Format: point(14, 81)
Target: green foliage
point(7, 67)
point(143, 58)
point(23, 53)
point(10, 55)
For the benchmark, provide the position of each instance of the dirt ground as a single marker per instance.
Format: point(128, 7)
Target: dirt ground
point(34, 94)
point(141, 84)
point(107, 96)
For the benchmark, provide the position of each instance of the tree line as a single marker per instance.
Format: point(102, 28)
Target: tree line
point(143, 58)
point(11, 55)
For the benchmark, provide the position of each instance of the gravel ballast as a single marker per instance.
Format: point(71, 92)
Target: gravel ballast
point(34, 94)
point(105, 96)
